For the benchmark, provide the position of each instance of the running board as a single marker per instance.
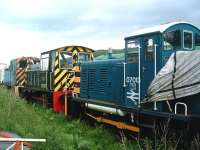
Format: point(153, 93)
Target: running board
point(119, 125)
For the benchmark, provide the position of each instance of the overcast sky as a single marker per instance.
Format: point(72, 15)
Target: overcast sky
point(29, 27)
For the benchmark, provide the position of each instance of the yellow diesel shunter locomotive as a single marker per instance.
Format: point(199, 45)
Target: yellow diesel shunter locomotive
point(57, 73)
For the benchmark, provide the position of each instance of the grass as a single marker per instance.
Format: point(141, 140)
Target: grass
point(33, 121)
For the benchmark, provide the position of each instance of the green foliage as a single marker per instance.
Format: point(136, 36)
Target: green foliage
point(33, 121)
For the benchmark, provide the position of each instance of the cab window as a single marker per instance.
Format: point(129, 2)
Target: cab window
point(197, 41)
point(172, 40)
point(82, 57)
point(149, 48)
point(188, 40)
point(23, 63)
point(44, 63)
point(132, 51)
point(65, 60)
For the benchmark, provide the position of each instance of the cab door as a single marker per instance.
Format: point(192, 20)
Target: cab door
point(132, 74)
point(149, 61)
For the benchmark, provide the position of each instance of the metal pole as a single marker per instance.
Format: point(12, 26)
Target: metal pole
point(155, 69)
point(124, 74)
point(139, 69)
point(22, 146)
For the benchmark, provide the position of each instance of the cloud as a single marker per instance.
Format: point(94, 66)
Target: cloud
point(30, 27)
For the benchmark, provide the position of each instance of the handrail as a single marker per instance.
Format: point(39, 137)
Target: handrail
point(46, 79)
point(185, 106)
point(21, 139)
point(124, 67)
point(50, 80)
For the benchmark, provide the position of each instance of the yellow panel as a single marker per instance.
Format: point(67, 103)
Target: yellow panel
point(19, 74)
point(77, 79)
point(63, 81)
point(56, 62)
point(61, 49)
point(76, 90)
point(75, 68)
point(80, 49)
point(60, 76)
point(74, 52)
point(21, 77)
point(57, 53)
point(60, 84)
point(56, 71)
point(57, 88)
point(91, 56)
point(70, 82)
point(69, 49)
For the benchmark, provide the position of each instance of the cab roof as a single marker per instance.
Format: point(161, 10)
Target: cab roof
point(71, 48)
point(159, 28)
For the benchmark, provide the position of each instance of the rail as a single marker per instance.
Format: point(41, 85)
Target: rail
point(18, 143)
point(183, 104)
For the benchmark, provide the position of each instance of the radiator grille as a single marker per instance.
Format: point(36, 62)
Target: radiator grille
point(103, 82)
point(84, 81)
point(92, 79)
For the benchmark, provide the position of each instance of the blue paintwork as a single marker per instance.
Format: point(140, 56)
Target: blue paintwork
point(10, 74)
point(114, 92)
point(131, 83)
point(103, 81)
point(167, 53)
point(147, 74)
point(147, 70)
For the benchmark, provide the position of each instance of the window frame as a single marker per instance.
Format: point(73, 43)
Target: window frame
point(136, 42)
point(148, 52)
point(83, 53)
point(195, 42)
point(43, 62)
point(188, 31)
point(67, 53)
point(173, 47)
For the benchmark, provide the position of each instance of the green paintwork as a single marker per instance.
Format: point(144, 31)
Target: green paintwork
point(38, 80)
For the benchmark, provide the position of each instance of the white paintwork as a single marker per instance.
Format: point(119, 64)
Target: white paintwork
point(179, 103)
point(155, 68)
point(105, 109)
point(159, 28)
point(124, 74)
point(21, 139)
point(139, 64)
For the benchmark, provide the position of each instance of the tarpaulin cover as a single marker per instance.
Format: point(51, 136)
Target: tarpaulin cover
point(180, 77)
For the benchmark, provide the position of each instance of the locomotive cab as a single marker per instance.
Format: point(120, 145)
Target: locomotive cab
point(57, 73)
point(148, 50)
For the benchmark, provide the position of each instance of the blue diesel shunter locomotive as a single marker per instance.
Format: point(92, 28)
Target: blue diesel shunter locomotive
point(118, 91)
